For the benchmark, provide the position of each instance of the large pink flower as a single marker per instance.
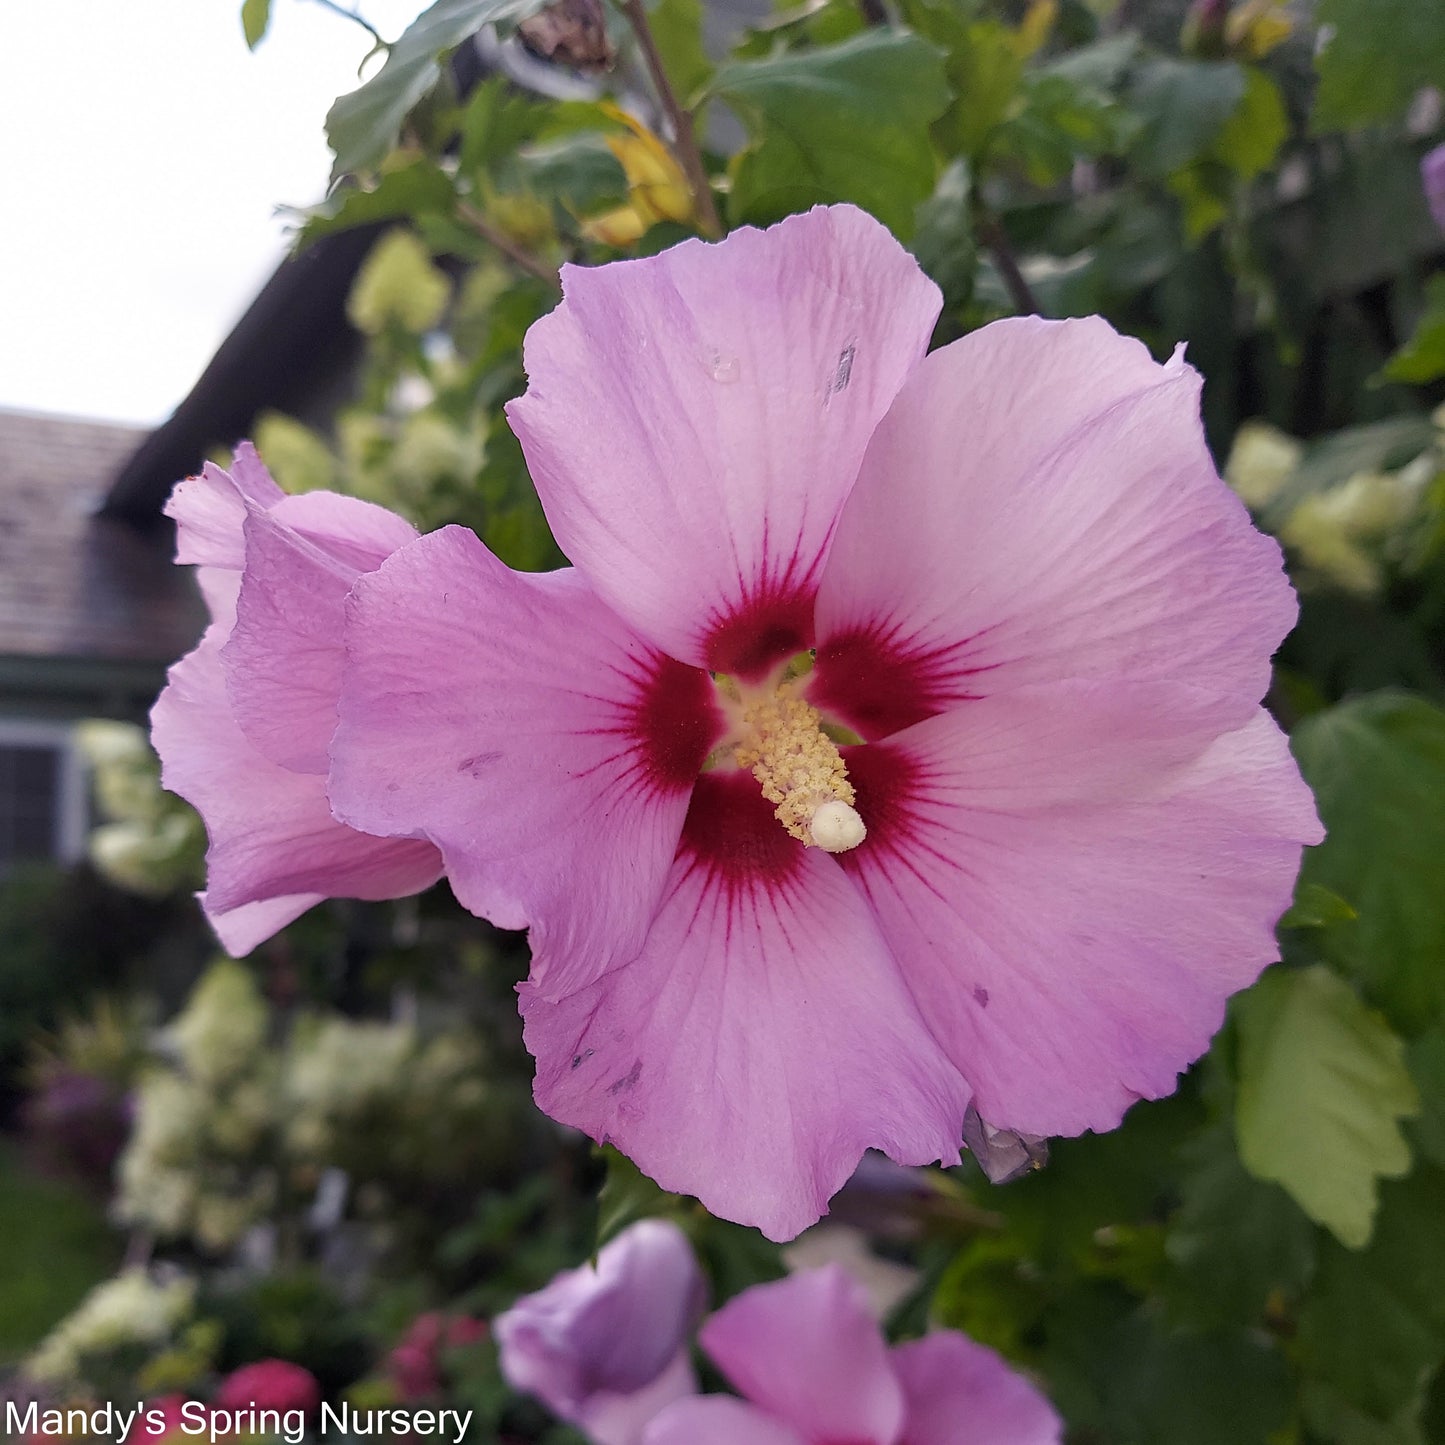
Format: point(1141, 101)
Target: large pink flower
point(814, 1369)
point(243, 724)
point(1041, 628)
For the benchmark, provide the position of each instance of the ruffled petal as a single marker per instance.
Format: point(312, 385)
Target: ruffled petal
point(960, 1393)
point(1039, 504)
point(523, 727)
point(807, 1351)
point(762, 1039)
point(210, 509)
point(273, 838)
point(694, 421)
point(717, 1420)
point(1071, 902)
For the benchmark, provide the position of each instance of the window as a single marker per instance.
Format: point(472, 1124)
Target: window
point(42, 793)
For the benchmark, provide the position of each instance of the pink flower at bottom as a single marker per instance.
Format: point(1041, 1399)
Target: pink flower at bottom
point(892, 746)
point(606, 1348)
point(813, 1369)
point(268, 1385)
point(243, 725)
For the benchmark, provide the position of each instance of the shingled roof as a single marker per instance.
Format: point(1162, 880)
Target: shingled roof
point(91, 608)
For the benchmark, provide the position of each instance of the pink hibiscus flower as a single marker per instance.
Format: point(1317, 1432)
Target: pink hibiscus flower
point(243, 724)
point(892, 746)
point(606, 1347)
point(814, 1368)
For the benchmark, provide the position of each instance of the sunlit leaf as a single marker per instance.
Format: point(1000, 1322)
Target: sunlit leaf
point(255, 18)
point(1322, 1088)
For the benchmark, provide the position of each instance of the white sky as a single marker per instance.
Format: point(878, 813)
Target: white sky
point(145, 150)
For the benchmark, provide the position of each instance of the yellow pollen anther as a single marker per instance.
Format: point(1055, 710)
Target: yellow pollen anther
point(801, 770)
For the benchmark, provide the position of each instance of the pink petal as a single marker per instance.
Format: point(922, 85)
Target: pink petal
point(286, 654)
point(807, 1351)
point(1071, 899)
point(519, 724)
point(245, 927)
point(1039, 504)
point(694, 421)
point(611, 1419)
point(960, 1393)
point(762, 1039)
point(358, 534)
point(717, 1420)
point(273, 837)
point(209, 510)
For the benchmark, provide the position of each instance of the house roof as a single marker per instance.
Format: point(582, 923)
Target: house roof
point(91, 608)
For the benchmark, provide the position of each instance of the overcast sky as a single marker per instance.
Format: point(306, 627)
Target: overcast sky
point(145, 153)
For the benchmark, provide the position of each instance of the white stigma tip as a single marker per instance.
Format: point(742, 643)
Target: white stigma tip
point(836, 827)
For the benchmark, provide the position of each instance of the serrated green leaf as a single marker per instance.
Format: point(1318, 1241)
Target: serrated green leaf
point(1376, 55)
point(1322, 1088)
point(364, 124)
point(1184, 106)
point(255, 18)
point(1422, 357)
point(1377, 767)
point(1373, 1325)
point(1235, 1239)
point(677, 29)
point(844, 122)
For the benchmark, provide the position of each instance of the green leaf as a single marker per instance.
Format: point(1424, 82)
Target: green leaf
point(1258, 127)
point(1184, 106)
point(413, 190)
point(627, 1195)
point(1322, 1087)
point(1426, 1058)
point(255, 17)
point(1378, 54)
point(1373, 1326)
point(1235, 1240)
point(677, 29)
point(943, 242)
point(364, 124)
point(1175, 1387)
point(1316, 907)
point(843, 122)
point(1377, 767)
point(1422, 357)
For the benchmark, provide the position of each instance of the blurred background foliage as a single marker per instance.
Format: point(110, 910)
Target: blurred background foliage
point(327, 1153)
